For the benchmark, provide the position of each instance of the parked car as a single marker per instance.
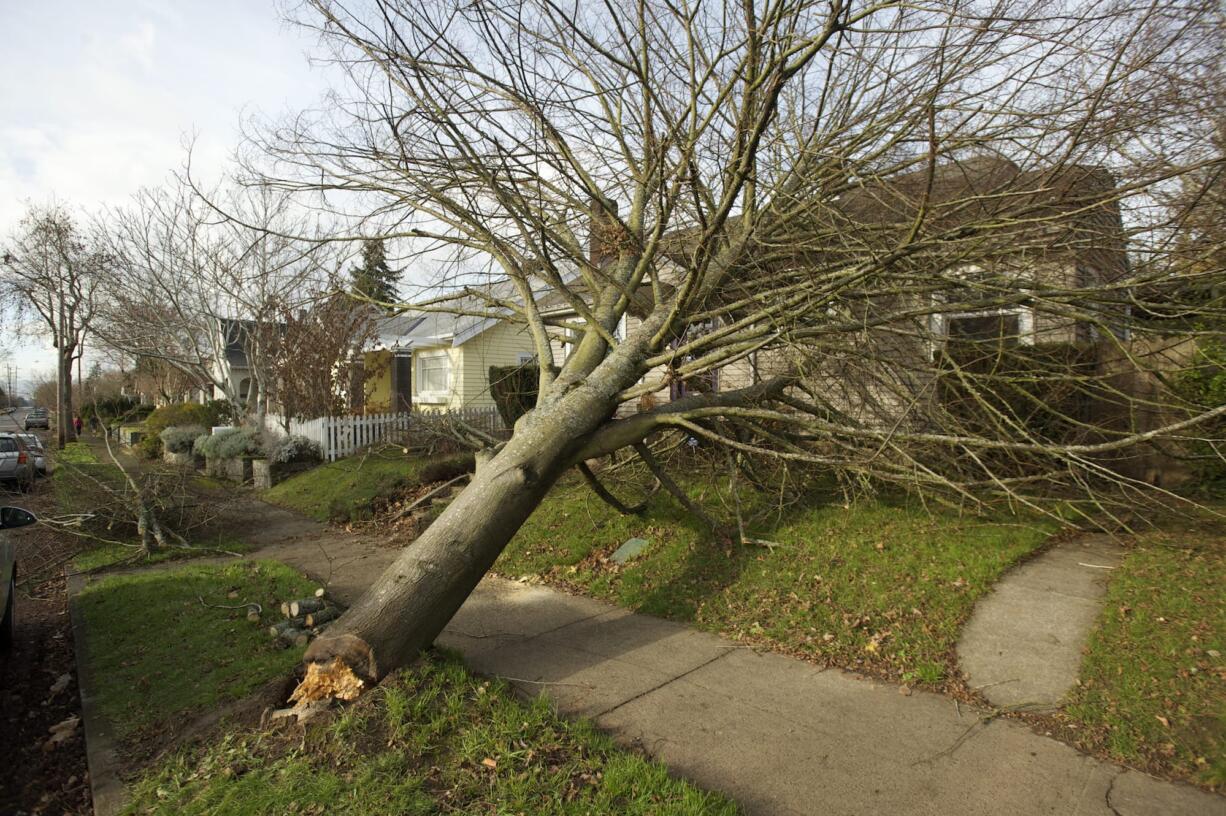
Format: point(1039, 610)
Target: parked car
point(9, 517)
point(16, 463)
point(38, 418)
point(35, 445)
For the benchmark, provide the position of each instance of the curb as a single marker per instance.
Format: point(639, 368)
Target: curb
point(101, 754)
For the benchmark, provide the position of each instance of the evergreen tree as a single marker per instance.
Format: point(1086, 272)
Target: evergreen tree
point(374, 279)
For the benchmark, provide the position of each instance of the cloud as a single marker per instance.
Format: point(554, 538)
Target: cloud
point(139, 44)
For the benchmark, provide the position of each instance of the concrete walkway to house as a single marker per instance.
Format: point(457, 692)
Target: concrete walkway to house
point(1023, 645)
point(778, 735)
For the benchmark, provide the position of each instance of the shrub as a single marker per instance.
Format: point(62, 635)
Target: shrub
point(1203, 387)
point(444, 470)
point(294, 449)
point(179, 414)
point(106, 411)
point(149, 446)
point(514, 390)
point(221, 412)
point(181, 438)
point(230, 443)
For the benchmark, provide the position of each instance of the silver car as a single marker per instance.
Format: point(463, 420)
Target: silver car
point(38, 418)
point(34, 444)
point(16, 462)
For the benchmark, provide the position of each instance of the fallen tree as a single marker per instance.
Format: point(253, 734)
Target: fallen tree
point(760, 225)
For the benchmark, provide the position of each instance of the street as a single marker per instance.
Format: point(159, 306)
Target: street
point(13, 421)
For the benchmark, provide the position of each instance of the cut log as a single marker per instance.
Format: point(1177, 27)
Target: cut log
point(328, 613)
point(319, 593)
point(285, 610)
point(253, 613)
point(293, 636)
point(281, 627)
point(302, 606)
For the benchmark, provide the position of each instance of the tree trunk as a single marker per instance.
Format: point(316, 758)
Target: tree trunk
point(411, 602)
point(64, 430)
point(70, 430)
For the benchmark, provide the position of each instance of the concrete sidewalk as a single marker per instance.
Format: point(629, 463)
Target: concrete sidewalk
point(779, 735)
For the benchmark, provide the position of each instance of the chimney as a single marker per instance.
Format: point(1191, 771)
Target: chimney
point(603, 232)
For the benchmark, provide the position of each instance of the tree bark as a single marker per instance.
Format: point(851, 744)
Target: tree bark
point(408, 606)
point(64, 430)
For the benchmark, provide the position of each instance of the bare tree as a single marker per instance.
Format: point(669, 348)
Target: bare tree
point(315, 355)
point(823, 233)
point(193, 287)
point(51, 269)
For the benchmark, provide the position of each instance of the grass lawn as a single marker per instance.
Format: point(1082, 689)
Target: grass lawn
point(157, 652)
point(76, 453)
point(83, 485)
point(113, 553)
point(1153, 684)
point(433, 739)
point(343, 490)
point(878, 586)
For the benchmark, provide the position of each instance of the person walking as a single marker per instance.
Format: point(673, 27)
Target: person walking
point(77, 424)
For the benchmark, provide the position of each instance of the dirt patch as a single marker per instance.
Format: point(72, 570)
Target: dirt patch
point(42, 772)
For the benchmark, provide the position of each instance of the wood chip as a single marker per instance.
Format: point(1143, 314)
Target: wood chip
point(327, 681)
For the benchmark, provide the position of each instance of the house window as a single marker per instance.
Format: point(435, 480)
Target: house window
point(998, 328)
point(526, 359)
point(433, 373)
point(1005, 327)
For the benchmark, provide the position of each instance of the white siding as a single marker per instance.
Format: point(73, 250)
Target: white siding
point(500, 345)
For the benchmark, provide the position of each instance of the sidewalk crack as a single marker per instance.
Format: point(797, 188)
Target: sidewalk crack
point(1107, 795)
point(656, 688)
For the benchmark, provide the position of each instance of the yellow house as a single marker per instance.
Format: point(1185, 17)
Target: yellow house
point(437, 362)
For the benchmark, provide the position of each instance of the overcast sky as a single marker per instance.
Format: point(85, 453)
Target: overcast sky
point(97, 97)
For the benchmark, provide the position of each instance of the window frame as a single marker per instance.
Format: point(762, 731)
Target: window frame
point(938, 325)
point(429, 395)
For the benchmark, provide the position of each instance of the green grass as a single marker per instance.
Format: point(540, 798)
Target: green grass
point(877, 586)
point(423, 743)
point(1153, 683)
point(344, 490)
point(110, 554)
point(157, 653)
point(76, 453)
point(84, 487)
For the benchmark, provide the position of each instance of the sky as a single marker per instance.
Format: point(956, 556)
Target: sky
point(97, 99)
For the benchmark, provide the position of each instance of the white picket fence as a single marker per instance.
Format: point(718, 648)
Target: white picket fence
point(344, 436)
